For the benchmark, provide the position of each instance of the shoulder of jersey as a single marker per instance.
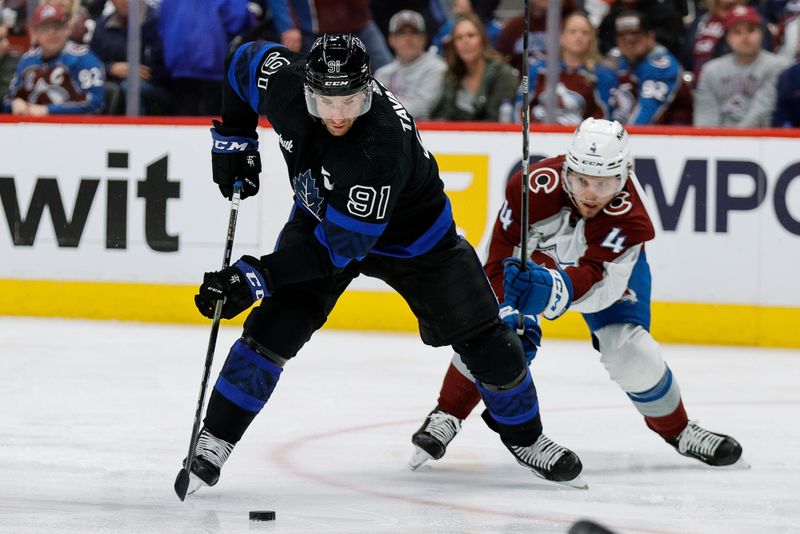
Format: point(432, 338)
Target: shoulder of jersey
point(660, 58)
point(537, 66)
point(295, 69)
point(32, 54)
point(626, 211)
point(545, 176)
point(384, 135)
point(75, 49)
point(604, 72)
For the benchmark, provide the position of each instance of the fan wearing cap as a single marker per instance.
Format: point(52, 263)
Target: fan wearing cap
point(415, 76)
point(368, 200)
point(739, 89)
point(651, 86)
point(58, 76)
point(588, 230)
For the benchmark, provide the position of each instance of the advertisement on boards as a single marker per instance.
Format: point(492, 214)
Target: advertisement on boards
point(135, 204)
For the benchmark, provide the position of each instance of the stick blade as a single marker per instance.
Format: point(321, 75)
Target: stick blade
point(182, 483)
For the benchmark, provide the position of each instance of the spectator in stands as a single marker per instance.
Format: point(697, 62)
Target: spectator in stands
point(79, 22)
point(707, 34)
point(652, 88)
point(464, 7)
point(431, 10)
point(585, 85)
point(110, 44)
point(58, 76)
point(509, 43)
point(12, 14)
point(273, 23)
point(315, 17)
point(477, 80)
point(195, 45)
point(787, 33)
point(415, 76)
point(664, 17)
point(8, 62)
point(787, 109)
point(738, 89)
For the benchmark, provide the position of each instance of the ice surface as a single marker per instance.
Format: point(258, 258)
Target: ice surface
point(95, 419)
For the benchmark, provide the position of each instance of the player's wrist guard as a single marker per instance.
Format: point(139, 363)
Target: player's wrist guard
point(537, 289)
point(240, 285)
point(234, 155)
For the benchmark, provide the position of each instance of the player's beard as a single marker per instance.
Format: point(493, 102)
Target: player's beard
point(338, 127)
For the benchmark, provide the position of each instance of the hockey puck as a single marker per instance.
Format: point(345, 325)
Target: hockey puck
point(262, 515)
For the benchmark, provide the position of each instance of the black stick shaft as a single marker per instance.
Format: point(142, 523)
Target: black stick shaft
point(182, 482)
point(526, 116)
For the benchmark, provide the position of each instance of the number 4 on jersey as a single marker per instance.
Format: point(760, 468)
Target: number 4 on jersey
point(506, 217)
point(614, 240)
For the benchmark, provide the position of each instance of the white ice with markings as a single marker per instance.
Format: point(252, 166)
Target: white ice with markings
point(95, 418)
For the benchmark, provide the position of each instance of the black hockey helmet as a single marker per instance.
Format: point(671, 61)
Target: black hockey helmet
point(337, 65)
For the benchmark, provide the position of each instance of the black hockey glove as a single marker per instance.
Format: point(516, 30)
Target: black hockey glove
point(240, 285)
point(234, 155)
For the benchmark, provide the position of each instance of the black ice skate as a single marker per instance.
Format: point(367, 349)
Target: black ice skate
point(433, 437)
point(708, 447)
point(550, 461)
point(210, 453)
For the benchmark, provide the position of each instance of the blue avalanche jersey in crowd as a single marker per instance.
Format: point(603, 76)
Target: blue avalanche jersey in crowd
point(71, 82)
point(651, 91)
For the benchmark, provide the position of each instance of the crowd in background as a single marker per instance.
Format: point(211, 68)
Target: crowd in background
point(680, 62)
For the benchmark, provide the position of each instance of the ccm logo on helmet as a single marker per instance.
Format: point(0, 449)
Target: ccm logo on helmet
point(340, 83)
point(544, 179)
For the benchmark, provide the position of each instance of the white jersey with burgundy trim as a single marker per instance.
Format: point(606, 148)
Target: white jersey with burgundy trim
point(597, 254)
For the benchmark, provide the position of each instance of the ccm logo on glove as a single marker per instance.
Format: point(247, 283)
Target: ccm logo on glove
point(537, 289)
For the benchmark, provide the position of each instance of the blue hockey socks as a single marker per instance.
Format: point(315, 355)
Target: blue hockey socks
point(513, 413)
point(247, 379)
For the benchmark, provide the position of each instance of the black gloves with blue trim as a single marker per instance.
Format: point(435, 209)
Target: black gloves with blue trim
point(239, 285)
point(234, 155)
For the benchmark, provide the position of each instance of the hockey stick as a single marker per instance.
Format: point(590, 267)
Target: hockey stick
point(182, 480)
point(526, 117)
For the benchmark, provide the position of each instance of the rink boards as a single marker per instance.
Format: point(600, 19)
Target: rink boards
point(119, 219)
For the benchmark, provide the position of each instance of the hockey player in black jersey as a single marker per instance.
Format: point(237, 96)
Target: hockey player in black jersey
point(367, 200)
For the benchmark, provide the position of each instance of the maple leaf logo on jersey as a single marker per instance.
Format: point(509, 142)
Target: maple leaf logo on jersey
point(306, 192)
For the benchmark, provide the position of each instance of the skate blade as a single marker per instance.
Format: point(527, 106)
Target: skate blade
point(195, 483)
point(418, 459)
point(739, 465)
point(577, 483)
